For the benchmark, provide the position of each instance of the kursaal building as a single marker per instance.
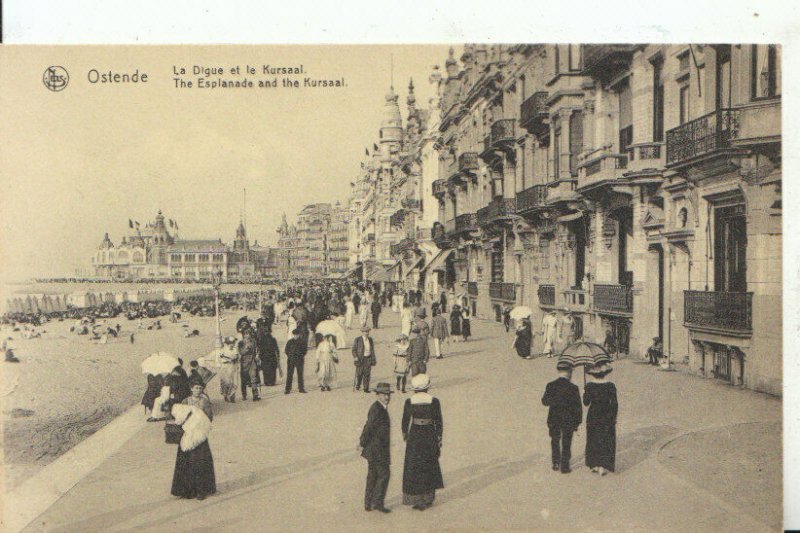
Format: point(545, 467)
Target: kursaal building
point(153, 252)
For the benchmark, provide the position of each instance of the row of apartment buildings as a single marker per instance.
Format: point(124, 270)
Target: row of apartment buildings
point(636, 187)
point(316, 246)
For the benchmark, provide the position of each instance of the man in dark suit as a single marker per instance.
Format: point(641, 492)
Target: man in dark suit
point(295, 352)
point(363, 358)
point(565, 415)
point(375, 307)
point(374, 447)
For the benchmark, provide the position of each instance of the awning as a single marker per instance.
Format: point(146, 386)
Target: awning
point(438, 262)
point(570, 218)
point(352, 273)
point(416, 265)
point(382, 275)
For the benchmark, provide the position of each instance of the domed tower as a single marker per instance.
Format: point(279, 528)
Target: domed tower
point(391, 133)
point(106, 244)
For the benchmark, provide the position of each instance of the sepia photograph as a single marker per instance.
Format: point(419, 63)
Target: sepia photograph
point(476, 286)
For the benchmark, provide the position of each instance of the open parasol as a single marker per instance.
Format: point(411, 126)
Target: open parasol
point(520, 312)
point(159, 363)
point(331, 327)
point(584, 354)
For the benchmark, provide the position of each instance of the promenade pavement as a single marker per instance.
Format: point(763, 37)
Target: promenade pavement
point(692, 455)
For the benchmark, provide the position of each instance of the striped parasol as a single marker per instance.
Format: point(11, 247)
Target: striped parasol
point(584, 354)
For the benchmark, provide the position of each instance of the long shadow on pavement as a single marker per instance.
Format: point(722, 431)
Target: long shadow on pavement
point(634, 447)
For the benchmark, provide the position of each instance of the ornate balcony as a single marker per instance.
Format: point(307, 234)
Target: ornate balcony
point(501, 137)
point(472, 288)
point(601, 167)
point(532, 198)
point(411, 203)
point(402, 246)
point(533, 113)
point(547, 295)
point(721, 312)
point(605, 61)
point(468, 162)
point(503, 291)
point(466, 222)
point(706, 136)
point(498, 209)
point(613, 299)
point(438, 234)
point(439, 188)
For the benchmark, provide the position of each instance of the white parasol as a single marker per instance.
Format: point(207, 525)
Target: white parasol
point(159, 363)
point(520, 312)
point(331, 327)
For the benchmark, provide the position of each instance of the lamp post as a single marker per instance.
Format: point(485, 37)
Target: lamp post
point(216, 281)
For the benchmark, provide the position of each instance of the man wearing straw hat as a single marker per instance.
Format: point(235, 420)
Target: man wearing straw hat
point(363, 358)
point(375, 448)
point(565, 415)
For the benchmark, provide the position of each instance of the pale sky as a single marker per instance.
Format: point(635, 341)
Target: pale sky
point(82, 161)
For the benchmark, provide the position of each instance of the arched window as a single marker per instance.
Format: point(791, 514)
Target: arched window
point(138, 257)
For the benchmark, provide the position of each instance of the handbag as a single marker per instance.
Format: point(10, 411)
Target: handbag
point(174, 432)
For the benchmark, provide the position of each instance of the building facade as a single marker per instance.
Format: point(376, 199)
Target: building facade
point(635, 188)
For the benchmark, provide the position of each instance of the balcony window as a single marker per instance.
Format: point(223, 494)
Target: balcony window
point(683, 104)
point(730, 249)
point(658, 100)
point(764, 73)
point(497, 266)
point(575, 140)
point(625, 119)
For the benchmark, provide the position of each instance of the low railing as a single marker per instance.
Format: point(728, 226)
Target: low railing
point(468, 162)
point(497, 209)
point(532, 198)
point(547, 294)
point(503, 131)
point(722, 311)
point(411, 203)
point(605, 57)
point(466, 222)
point(702, 136)
point(503, 291)
point(613, 299)
point(472, 288)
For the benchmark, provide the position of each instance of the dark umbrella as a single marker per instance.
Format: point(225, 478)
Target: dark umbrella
point(584, 354)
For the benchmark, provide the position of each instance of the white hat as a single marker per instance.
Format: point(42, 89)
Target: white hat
point(420, 382)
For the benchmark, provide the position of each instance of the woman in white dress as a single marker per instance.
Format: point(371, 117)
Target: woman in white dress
point(326, 362)
point(364, 311)
point(406, 318)
point(350, 310)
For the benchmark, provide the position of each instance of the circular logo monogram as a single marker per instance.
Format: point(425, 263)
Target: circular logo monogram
point(55, 78)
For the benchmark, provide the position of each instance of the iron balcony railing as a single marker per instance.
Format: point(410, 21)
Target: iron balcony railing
point(468, 162)
point(722, 311)
point(437, 232)
point(702, 136)
point(503, 131)
point(606, 59)
point(547, 294)
point(613, 299)
point(533, 112)
point(472, 288)
point(411, 203)
point(532, 198)
point(503, 291)
point(498, 209)
point(466, 222)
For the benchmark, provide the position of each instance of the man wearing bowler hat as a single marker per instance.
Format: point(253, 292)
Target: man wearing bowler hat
point(565, 415)
point(374, 447)
point(363, 358)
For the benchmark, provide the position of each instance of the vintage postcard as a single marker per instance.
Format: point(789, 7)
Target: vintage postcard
point(475, 286)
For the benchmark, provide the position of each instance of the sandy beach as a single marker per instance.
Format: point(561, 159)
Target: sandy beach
point(66, 387)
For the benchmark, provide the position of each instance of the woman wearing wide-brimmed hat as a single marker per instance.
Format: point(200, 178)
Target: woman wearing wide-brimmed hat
point(422, 431)
point(601, 420)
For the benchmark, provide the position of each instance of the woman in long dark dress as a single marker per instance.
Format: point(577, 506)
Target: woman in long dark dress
point(524, 337)
point(455, 322)
point(466, 328)
point(154, 384)
point(194, 465)
point(422, 431)
point(601, 421)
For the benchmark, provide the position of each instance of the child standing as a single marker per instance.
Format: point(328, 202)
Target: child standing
point(401, 362)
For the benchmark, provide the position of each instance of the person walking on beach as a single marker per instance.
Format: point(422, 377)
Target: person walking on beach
point(423, 429)
point(326, 361)
point(227, 359)
point(439, 333)
point(295, 352)
point(363, 358)
point(374, 445)
point(375, 309)
point(565, 415)
point(247, 358)
point(193, 476)
point(601, 420)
